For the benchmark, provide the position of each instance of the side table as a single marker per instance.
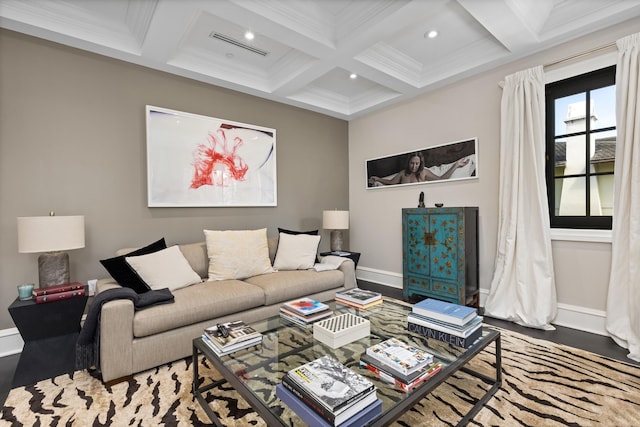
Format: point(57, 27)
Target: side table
point(49, 331)
point(353, 256)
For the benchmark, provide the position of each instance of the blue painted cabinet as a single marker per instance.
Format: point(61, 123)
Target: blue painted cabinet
point(440, 254)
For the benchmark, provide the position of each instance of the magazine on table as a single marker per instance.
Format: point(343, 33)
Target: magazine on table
point(230, 333)
point(306, 306)
point(356, 416)
point(359, 296)
point(298, 318)
point(400, 356)
point(332, 383)
point(359, 306)
point(404, 382)
point(232, 348)
point(445, 311)
point(461, 331)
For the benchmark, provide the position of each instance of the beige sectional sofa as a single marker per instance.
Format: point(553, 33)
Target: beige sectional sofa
point(133, 341)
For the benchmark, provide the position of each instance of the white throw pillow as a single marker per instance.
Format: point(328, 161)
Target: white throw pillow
point(296, 251)
point(237, 254)
point(167, 268)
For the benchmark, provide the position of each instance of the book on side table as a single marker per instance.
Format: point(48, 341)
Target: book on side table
point(57, 296)
point(65, 287)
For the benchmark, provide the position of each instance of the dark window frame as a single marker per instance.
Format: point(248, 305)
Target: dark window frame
point(560, 89)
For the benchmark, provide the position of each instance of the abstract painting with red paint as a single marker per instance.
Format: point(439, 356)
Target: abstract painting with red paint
point(196, 160)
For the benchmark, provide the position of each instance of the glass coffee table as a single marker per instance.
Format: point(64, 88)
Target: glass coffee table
point(254, 372)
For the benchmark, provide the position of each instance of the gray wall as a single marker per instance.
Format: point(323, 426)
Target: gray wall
point(72, 140)
point(469, 108)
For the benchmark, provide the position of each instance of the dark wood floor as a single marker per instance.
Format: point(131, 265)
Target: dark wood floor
point(598, 344)
point(594, 343)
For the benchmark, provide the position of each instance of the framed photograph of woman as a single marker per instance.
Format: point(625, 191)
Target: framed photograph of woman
point(452, 161)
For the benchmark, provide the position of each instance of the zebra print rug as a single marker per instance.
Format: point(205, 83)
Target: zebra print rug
point(544, 384)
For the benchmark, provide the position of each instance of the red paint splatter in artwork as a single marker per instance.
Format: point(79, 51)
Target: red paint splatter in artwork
point(215, 162)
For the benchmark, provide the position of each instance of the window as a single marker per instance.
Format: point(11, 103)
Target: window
point(580, 150)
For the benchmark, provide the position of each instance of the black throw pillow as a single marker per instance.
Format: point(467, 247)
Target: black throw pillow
point(312, 232)
point(120, 270)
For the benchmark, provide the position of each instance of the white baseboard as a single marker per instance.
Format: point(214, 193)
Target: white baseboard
point(570, 316)
point(10, 342)
point(381, 277)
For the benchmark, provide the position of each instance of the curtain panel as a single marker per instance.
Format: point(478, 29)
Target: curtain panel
point(623, 302)
point(523, 286)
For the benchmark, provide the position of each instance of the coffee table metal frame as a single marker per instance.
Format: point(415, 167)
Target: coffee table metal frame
point(388, 416)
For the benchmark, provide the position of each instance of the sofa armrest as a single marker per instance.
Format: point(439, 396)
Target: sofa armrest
point(104, 284)
point(116, 337)
point(348, 268)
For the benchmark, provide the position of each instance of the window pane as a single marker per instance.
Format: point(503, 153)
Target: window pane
point(575, 155)
point(602, 196)
point(573, 197)
point(604, 149)
point(603, 102)
point(570, 113)
point(560, 156)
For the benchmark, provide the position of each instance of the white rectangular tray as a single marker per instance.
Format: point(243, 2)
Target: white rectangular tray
point(340, 330)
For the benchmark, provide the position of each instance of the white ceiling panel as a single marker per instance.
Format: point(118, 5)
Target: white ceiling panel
point(304, 50)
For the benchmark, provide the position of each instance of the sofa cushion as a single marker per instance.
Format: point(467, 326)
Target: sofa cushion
point(123, 273)
point(198, 303)
point(287, 285)
point(167, 268)
point(196, 254)
point(296, 252)
point(237, 254)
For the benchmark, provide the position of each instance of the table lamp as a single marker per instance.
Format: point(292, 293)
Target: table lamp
point(51, 235)
point(336, 221)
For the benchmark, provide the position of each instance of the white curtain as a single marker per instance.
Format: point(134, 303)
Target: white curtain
point(623, 303)
point(523, 285)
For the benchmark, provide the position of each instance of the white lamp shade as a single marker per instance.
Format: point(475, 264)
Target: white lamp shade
point(50, 233)
point(335, 220)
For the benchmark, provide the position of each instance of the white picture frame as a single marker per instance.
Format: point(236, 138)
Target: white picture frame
point(200, 161)
point(441, 163)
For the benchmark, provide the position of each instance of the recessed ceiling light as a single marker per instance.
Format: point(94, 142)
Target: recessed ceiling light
point(249, 35)
point(431, 34)
point(353, 76)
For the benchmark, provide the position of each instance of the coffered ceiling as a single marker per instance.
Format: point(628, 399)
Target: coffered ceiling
point(304, 51)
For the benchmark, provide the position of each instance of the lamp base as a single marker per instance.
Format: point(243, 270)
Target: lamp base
point(53, 268)
point(336, 240)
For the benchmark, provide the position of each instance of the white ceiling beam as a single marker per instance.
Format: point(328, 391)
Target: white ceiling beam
point(514, 23)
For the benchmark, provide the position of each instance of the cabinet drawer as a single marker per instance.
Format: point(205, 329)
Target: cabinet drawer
point(417, 284)
point(440, 287)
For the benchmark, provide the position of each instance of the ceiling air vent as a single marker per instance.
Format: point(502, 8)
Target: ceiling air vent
point(238, 43)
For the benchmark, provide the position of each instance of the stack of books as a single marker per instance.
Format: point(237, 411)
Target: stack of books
point(399, 363)
point(324, 392)
point(305, 311)
point(445, 321)
point(58, 292)
point(359, 298)
point(226, 338)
